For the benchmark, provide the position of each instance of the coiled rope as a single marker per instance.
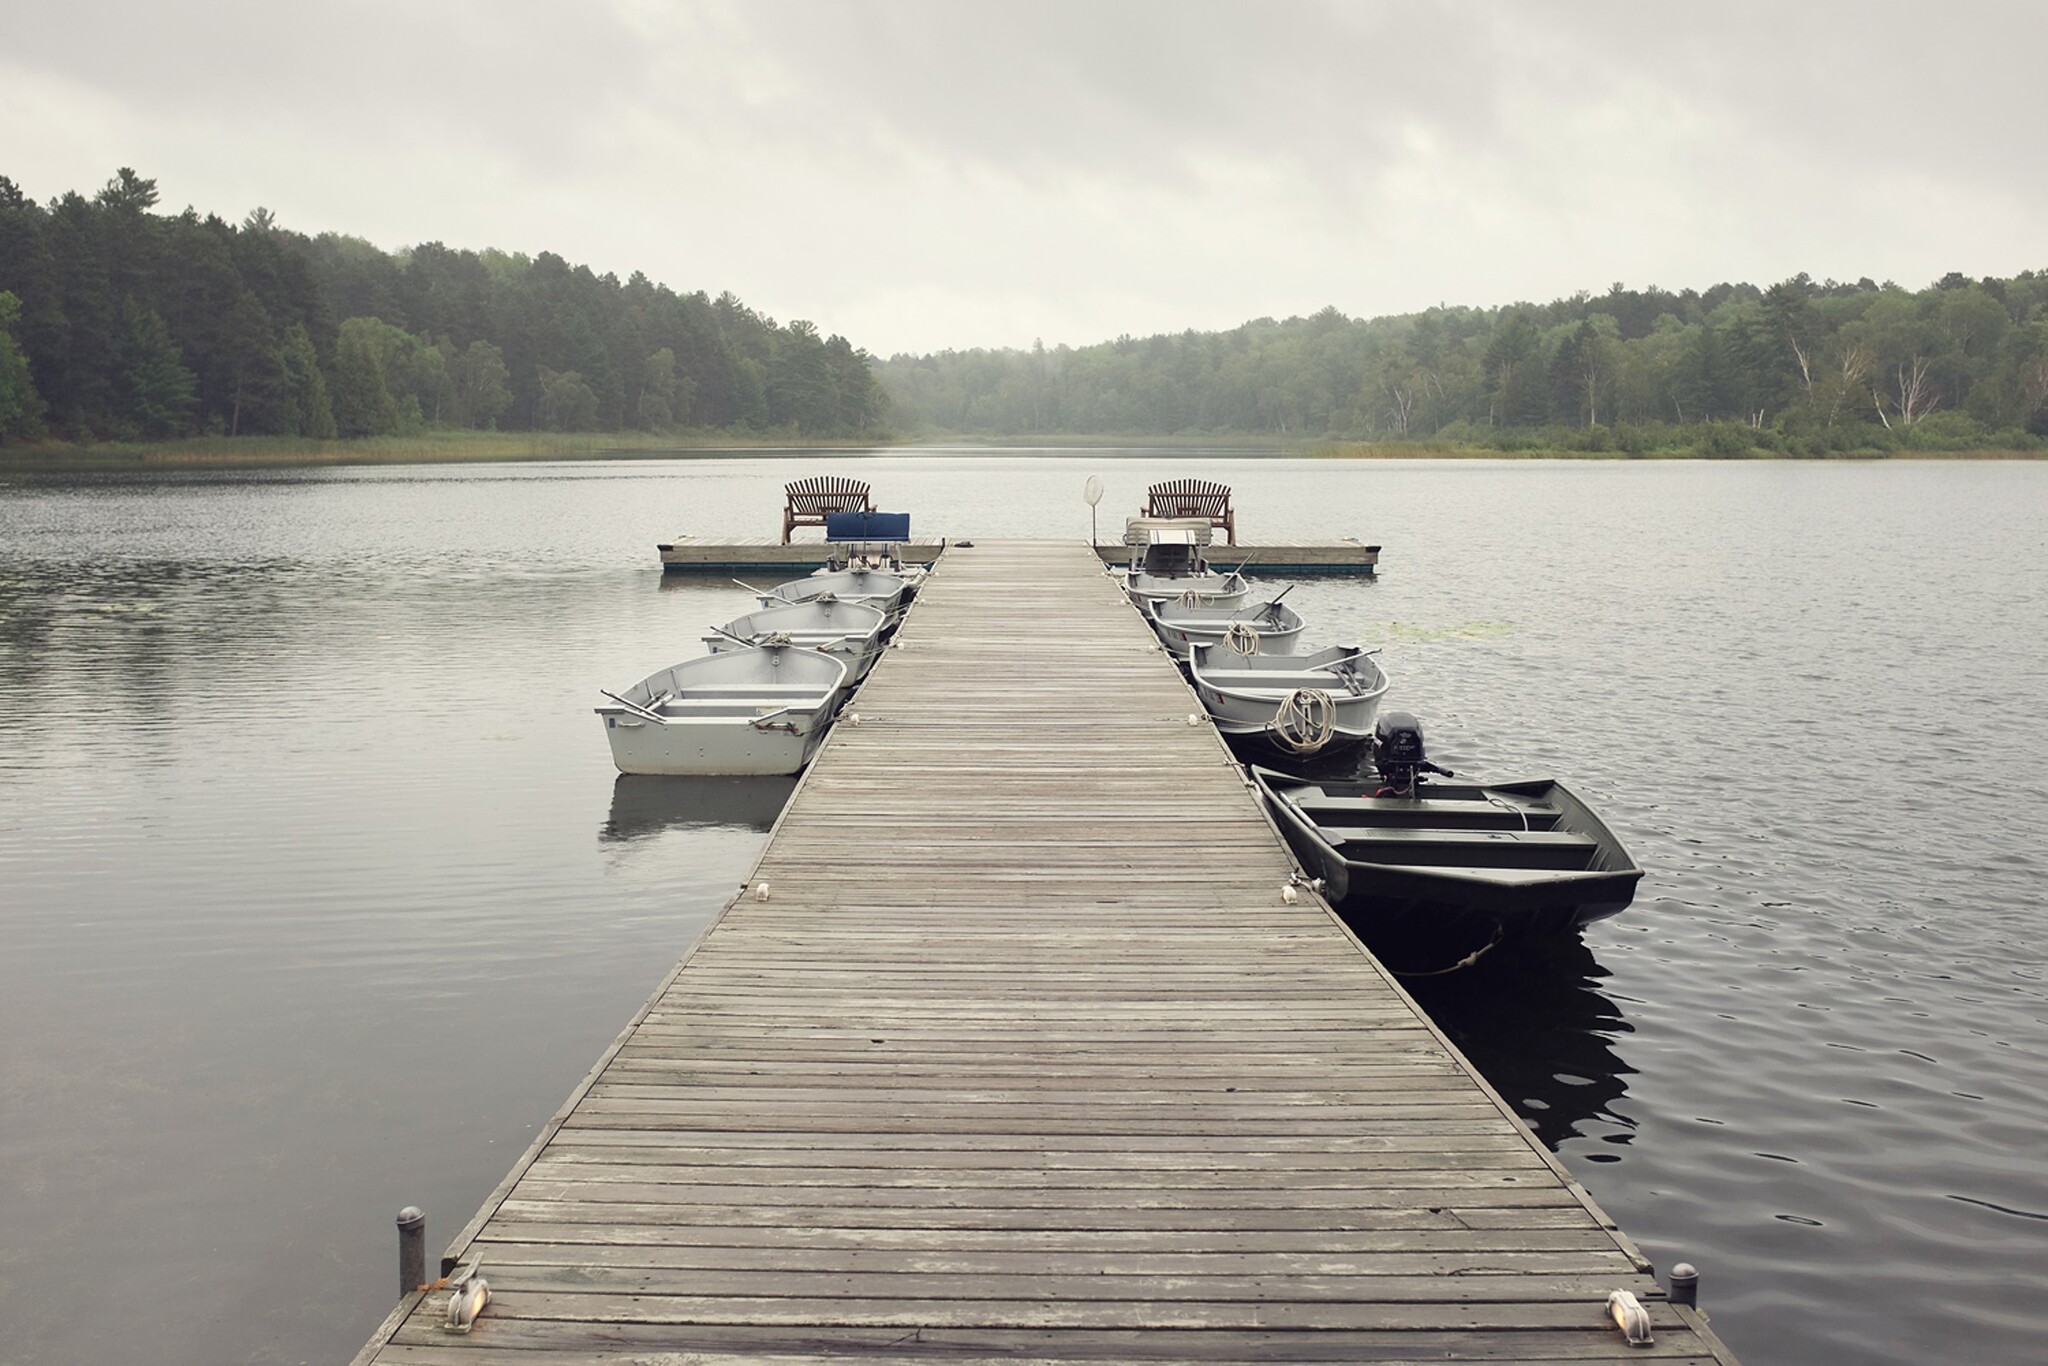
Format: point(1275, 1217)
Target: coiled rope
point(1305, 722)
point(1242, 638)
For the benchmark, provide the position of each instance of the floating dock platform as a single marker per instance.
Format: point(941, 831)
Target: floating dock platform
point(767, 554)
point(1298, 559)
point(1014, 1050)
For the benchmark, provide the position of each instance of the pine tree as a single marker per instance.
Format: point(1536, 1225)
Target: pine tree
point(154, 394)
point(661, 395)
point(363, 405)
point(253, 364)
point(21, 411)
point(307, 410)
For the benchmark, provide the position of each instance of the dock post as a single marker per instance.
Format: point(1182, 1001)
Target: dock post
point(412, 1250)
point(1685, 1284)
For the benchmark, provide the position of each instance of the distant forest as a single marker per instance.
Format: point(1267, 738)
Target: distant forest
point(120, 323)
point(1800, 368)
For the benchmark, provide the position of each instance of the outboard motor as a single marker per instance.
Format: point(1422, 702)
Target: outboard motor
point(1398, 754)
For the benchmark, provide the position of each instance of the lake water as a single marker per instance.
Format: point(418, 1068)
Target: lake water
point(318, 894)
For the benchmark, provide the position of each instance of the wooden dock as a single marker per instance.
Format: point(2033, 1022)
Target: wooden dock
point(767, 555)
point(1024, 1057)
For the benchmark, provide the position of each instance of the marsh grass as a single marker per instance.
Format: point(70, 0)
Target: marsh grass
point(454, 447)
point(420, 448)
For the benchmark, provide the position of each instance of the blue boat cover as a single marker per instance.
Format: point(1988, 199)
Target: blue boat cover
point(867, 526)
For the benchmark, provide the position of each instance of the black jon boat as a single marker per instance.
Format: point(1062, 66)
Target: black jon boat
point(1455, 862)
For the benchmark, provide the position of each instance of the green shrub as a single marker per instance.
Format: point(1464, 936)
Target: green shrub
point(1723, 440)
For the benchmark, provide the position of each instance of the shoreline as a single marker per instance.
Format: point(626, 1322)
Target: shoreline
point(426, 448)
point(439, 448)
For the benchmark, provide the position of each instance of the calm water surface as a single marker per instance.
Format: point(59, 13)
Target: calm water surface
point(318, 892)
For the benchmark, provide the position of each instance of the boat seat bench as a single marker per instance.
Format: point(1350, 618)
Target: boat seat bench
point(686, 711)
point(1520, 877)
point(1252, 683)
point(1393, 813)
point(707, 693)
point(1380, 834)
point(801, 639)
point(1421, 806)
point(1549, 849)
point(1371, 825)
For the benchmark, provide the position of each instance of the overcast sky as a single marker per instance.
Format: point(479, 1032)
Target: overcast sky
point(923, 174)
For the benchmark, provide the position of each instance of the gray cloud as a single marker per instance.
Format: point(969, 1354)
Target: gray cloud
point(919, 173)
point(531, 81)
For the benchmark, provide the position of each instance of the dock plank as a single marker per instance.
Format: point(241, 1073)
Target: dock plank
point(1023, 1057)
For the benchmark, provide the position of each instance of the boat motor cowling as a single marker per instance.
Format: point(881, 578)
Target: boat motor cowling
point(1399, 754)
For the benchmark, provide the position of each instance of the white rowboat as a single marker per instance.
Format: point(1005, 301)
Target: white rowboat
point(1267, 628)
point(756, 711)
point(1300, 704)
point(847, 630)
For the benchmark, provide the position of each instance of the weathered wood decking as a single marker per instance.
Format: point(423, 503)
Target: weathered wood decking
point(1024, 1058)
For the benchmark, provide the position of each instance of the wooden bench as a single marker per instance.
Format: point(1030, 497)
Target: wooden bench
point(1193, 498)
point(812, 500)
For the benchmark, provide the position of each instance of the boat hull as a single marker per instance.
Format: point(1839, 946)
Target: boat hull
point(707, 747)
point(761, 711)
point(1243, 696)
point(1252, 717)
point(1278, 633)
point(1207, 590)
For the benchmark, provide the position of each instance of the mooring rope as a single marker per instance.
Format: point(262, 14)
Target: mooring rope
point(1305, 722)
point(1242, 638)
point(1467, 961)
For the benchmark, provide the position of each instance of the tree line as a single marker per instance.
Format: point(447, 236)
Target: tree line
point(121, 323)
point(1800, 367)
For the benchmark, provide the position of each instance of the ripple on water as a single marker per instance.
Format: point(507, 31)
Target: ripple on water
point(300, 795)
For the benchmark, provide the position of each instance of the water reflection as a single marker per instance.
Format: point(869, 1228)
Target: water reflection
point(1536, 1024)
point(647, 804)
point(760, 578)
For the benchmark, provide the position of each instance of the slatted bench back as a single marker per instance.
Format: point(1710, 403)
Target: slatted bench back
point(1193, 498)
point(814, 499)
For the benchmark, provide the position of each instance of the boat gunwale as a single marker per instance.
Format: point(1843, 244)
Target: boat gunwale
point(1274, 695)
